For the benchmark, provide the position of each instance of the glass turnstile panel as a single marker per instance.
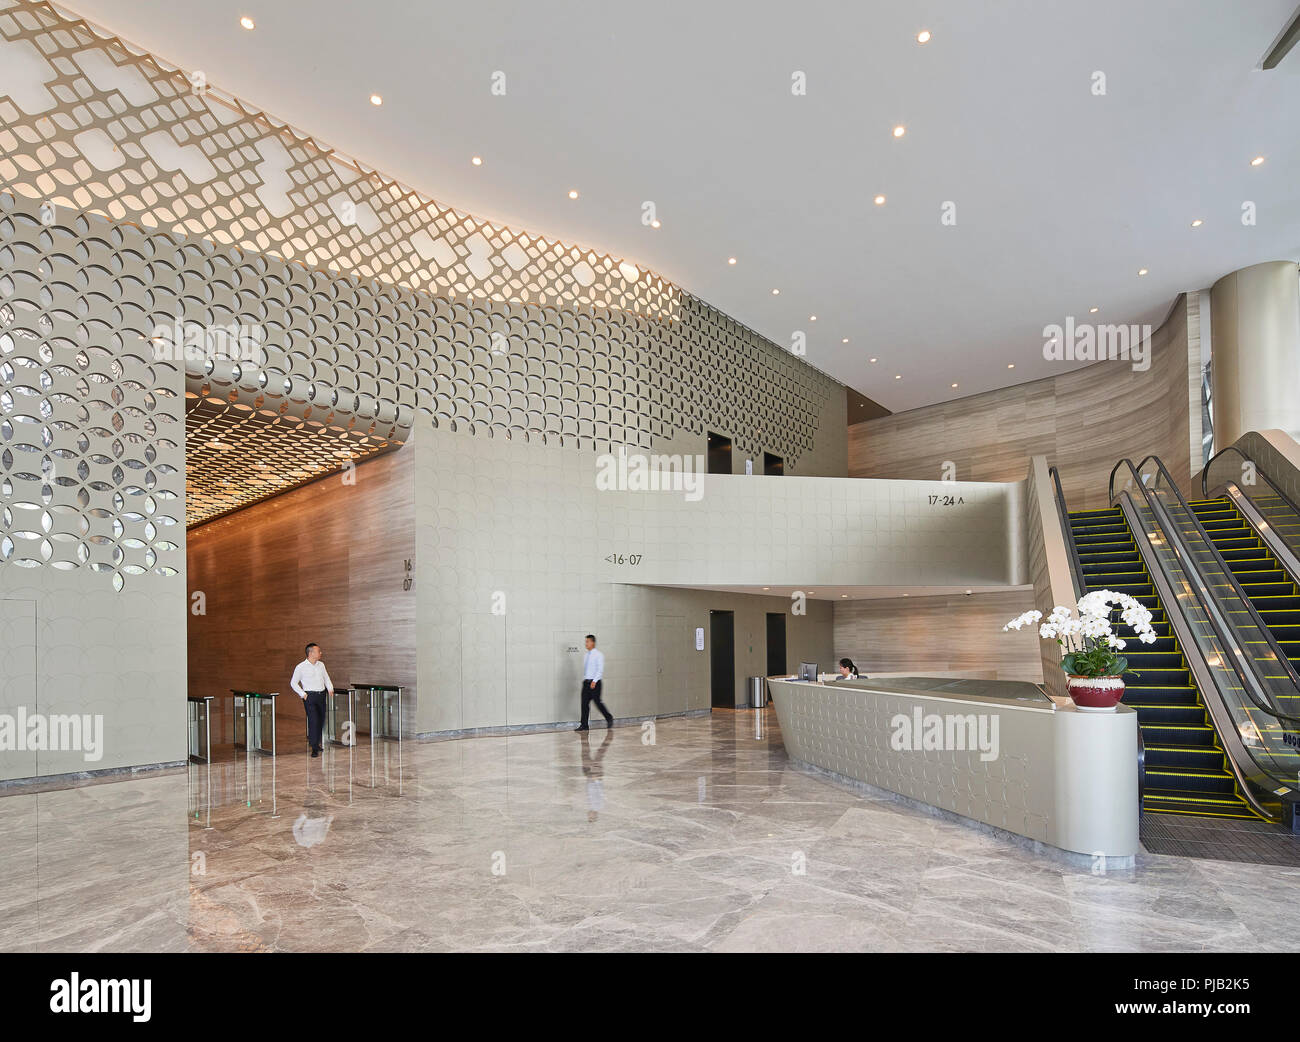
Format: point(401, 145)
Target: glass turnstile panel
point(199, 730)
point(361, 715)
point(254, 721)
point(340, 723)
point(379, 710)
point(388, 713)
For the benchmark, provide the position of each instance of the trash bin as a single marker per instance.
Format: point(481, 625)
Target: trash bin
point(757, 692)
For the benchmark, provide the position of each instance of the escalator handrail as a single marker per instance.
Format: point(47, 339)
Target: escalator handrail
point(1282, 658)
point(1205, 476)
point(1158, 511)
point(1076, 562)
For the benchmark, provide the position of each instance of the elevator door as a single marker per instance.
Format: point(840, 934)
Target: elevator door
point(722, 659)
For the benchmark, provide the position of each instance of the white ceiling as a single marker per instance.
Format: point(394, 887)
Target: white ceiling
point(1061, 195)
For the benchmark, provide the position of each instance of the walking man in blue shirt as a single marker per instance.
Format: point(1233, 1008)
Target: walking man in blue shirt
point(593, 672)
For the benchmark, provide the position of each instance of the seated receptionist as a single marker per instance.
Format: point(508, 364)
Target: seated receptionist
point(848, 671)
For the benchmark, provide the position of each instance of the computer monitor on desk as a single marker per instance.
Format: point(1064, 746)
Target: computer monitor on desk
point(808, 671)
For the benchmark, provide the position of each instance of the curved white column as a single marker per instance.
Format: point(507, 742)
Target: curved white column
point(1255, 326)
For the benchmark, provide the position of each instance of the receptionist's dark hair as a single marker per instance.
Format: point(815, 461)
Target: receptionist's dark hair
point(847, 663)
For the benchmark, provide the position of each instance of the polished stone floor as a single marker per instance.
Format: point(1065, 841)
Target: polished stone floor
point(701, 836)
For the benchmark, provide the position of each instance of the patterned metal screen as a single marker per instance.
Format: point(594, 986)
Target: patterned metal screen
point(168, 208)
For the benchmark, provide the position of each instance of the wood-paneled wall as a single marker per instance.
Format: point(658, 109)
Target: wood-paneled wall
point(322, 563)
point(923, 634)
point(1084, 421)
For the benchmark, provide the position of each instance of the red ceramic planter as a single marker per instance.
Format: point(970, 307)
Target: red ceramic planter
point(1096, 694)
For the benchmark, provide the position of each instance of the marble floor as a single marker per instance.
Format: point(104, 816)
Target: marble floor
point(699, 837)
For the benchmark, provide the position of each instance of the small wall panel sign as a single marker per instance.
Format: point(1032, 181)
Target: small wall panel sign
point(699, 638)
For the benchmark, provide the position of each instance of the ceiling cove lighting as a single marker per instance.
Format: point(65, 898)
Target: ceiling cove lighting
point(376, 99)
point(248, 23)
point(923, 36)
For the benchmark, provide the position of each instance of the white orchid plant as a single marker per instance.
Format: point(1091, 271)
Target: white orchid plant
point(1091, 646)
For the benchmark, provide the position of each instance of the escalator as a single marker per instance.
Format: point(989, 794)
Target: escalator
point(1186, 767)
point(1267, 584)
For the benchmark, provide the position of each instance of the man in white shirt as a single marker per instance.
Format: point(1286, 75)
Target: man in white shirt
point(311, 682)
point(593, 672)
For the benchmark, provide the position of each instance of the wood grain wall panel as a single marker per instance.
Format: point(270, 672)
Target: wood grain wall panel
point(920, 634)
point(324, 562)
point(1084, 421)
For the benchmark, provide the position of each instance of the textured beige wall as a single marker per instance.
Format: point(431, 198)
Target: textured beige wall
point(923, 634)
point(1083, 421)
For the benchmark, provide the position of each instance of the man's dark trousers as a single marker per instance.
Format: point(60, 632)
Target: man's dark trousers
point(589, 695)
point(315, 717)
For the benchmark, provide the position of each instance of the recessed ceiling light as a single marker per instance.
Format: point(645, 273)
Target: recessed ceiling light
point(1092, 311)
point(923, 36)
point(954, 385)
point(477, 160)
point(1011, 365)
point(1197, 223)
point(767, 587)
point(812, 318)
point(376, 99)
point(776, 292)
point(844, 595)
point(1257, 160)
point(873, 359)
point(900, 130)
point(1142, 271)
point(731, 260)
point(654, 224)
point(247, 22)
point(880, 200)
point(573, 193)
point(898, 376)
point(845, 340)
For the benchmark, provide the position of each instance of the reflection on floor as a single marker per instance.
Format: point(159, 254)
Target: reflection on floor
point(700, 836)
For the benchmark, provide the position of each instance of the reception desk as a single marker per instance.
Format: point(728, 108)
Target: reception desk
point(998, 753)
